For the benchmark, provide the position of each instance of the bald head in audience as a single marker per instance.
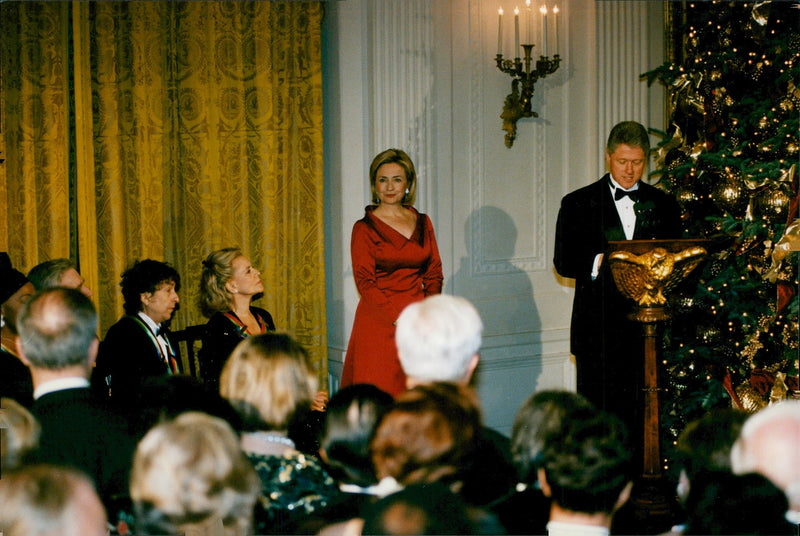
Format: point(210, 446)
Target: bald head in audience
point(769, 443)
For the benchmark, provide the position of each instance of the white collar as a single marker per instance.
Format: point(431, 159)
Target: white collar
point(60, 384)
point(615, 185)
point(562, 528)
point(386, 486)
point(150, 322)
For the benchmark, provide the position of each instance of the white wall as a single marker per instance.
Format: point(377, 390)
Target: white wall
point(420, 75)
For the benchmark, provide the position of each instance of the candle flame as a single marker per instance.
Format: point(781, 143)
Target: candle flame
point(500, 11)
point(528, 4)
point(516, 11)
point(555, 9)
point(543, 9)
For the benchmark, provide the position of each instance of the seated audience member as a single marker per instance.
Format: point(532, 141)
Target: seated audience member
point(350, 421)
point(138, 346)
point(58, 341)
point(424, 509)
point(19, 433)
point(58, 273)
point(768, 444)
point(723, 503)
point(705, 446)
point(429, 435)
point(526, 510)
point(268, 381)
point(228, 286)
point(190, 477)
point(438, 340)
point(586, 472)
point(44, 500)
point(15, 290)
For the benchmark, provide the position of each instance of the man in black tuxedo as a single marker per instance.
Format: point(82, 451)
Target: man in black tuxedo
point(138, 346)
point(58, 342)
point(15, 290)
point(607, 345)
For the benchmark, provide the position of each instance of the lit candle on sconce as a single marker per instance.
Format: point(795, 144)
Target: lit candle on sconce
point(528, 23)
point(543, 11)
point(516, 32)
point(500, 31)
point(555, 21)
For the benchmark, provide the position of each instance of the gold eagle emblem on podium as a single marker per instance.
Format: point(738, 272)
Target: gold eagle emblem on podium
point(646, 278)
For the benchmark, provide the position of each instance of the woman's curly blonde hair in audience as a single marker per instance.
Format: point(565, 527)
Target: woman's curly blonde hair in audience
point(189, 470)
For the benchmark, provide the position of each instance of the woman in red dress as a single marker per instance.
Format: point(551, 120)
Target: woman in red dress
point(395, 262)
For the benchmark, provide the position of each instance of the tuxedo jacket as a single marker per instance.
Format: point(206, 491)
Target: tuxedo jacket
point(80, 430)
point(128, 355)
point(587, 221)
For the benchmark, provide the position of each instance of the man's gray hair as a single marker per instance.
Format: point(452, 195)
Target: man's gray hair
point(437, 338)
point(57, 328)
point(48, 274)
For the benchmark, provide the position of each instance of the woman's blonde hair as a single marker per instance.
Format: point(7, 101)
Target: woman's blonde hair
point(20, 433)
point(267, 380)
point(189, 470)
point(217, 271)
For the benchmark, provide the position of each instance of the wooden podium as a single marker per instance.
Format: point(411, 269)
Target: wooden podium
point(646, 271)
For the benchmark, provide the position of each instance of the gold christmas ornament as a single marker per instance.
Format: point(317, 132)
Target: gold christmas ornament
point(729, 195)
point(790, 241)
point(750, 399)
point(772, 205)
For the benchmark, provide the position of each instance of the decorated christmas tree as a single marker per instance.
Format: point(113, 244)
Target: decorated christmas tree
point(730, 159)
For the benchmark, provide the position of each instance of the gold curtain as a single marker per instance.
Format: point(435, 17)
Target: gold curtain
point(166, 130)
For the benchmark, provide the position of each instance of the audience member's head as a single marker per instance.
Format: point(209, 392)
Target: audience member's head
point(438, 339)
point(190, 474)
point(267, 380)
point(43, 500)
point(352, 415)
point(705, 445)
point(587, 468)
point(142, 281)
point(428, 435)
point(19, 433)
point(768, 444)
point(218, 270)
point(430, 508)
point(723, 503)
point(15, 291)
point(163, 398)
point(58, 273)
point(538, 420)
point(58, 331)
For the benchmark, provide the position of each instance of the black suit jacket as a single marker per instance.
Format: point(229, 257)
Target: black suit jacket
point(127, 357)
point(220, 338)
point(587, 221)
point(15, 379)
point(79, 430)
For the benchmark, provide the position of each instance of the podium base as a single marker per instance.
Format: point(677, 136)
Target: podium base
point(652, 509)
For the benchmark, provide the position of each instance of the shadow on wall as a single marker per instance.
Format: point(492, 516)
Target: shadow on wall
point(501, 291)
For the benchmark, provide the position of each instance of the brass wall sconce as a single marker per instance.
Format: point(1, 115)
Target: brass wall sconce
point(518, 103)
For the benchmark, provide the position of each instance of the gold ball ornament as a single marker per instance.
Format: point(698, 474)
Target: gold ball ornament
point(790, 148)
point(772, 205)
point(729, 195)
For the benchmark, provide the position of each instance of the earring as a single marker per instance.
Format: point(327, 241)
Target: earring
point(406, 191)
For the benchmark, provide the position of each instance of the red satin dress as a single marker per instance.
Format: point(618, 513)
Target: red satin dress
point(390, 272)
